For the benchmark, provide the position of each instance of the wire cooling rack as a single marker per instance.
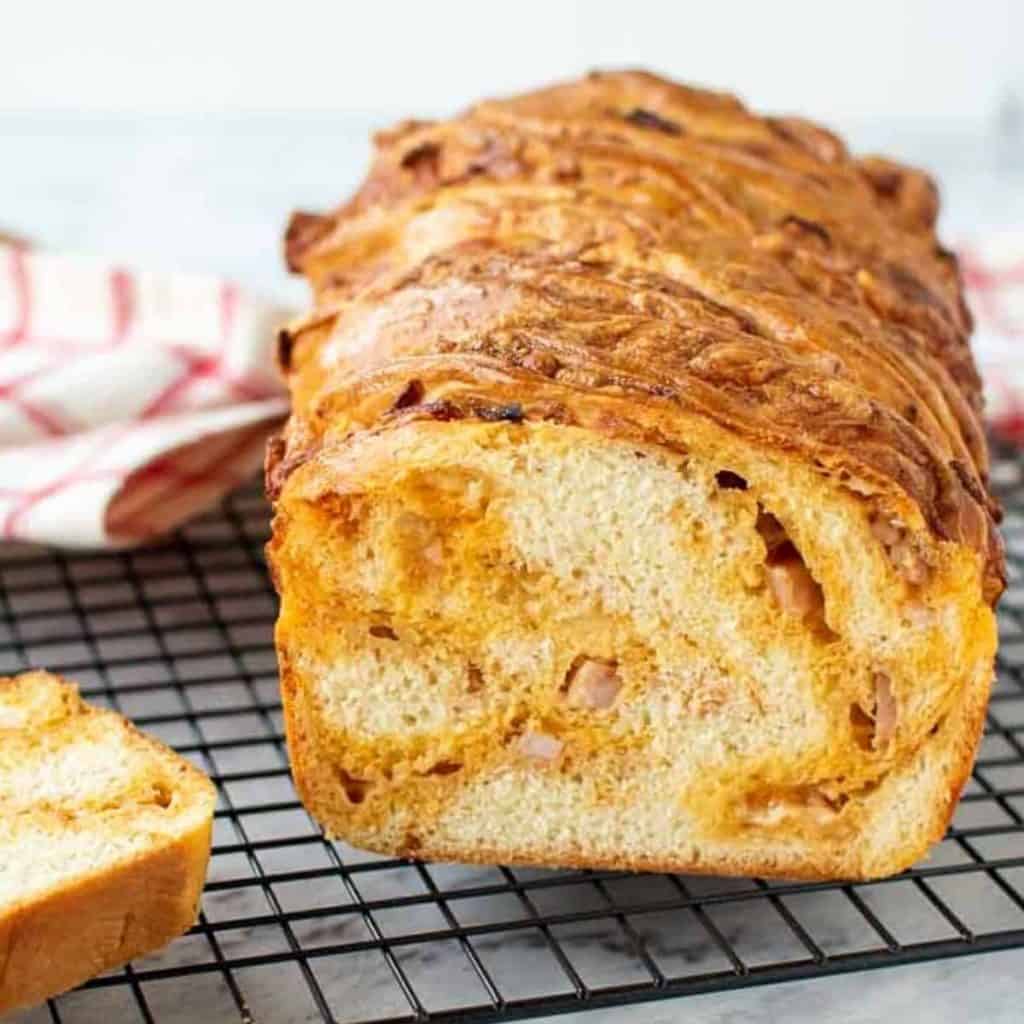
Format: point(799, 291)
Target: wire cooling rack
point(297, 928)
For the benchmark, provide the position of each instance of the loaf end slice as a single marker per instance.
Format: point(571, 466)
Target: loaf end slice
point(542, 644)
point(104, 840)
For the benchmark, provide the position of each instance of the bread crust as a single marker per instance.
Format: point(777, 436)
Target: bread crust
point(748, 268)
point(62, 939)
point(90, 921)
point(614, 264)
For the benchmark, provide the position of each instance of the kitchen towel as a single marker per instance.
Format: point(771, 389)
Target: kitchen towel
point(129, 400)
point(993, 273)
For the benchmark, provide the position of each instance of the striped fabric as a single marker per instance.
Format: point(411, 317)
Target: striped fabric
point(129, 401)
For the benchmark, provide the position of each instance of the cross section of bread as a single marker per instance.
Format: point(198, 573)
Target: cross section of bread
point(633, 510)
point(104, 840)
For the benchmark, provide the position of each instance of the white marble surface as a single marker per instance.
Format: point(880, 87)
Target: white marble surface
point(972, 990)
point(930, 60)
point(211, 194)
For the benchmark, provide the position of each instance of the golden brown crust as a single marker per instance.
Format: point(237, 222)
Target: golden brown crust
point(624, 233)
point(93, 920)
point(54, 943)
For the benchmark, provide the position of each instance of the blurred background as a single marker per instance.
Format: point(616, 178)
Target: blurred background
point(181, 135)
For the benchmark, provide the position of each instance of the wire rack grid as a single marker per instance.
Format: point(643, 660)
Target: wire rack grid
point(298, 928)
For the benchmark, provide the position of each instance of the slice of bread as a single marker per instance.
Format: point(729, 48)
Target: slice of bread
point(528, 643)
point(104, 840)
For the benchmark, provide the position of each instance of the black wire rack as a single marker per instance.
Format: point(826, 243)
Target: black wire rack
point(298, 928)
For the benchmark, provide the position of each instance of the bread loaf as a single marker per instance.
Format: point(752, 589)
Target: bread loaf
point(633, 508)
point(104, 840)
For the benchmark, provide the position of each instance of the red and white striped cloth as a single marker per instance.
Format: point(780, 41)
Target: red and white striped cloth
point(993, 272)
point(130, 401)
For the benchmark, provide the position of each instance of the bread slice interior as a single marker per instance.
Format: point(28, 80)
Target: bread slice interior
point(533, 643)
